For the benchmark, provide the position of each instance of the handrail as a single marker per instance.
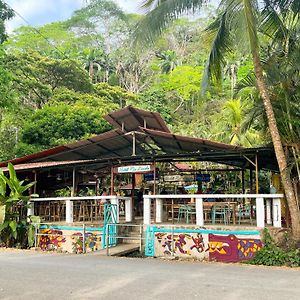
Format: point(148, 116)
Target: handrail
point(79, 198)
point(218, 196)
point(260, 208)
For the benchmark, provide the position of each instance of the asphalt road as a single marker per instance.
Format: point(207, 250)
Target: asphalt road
point(32, 275)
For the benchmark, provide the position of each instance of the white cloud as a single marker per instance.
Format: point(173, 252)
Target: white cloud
point(39, 12)
point(129, 5)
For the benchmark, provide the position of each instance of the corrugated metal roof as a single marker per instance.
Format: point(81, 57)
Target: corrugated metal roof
point(133, 118)
point(47, 164)
point(117, 145)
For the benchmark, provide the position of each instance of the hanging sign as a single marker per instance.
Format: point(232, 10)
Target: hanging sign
point(150, 177)
point(203, 177)
point(134, 169)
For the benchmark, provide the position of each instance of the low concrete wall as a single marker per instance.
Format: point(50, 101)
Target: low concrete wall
point(69, 239)
point(201, 243)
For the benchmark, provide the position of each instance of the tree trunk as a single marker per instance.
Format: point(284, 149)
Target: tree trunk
point(279, 152)
point(280, 155)
point(91, 70)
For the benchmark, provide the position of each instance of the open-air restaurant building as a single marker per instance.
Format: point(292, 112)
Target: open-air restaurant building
point(191, 196)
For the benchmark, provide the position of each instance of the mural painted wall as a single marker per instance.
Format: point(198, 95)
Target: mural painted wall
point(226, 246)
point(69, 239)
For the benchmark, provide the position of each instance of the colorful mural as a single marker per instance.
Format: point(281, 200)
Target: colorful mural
point(92, 242)
point(184, 244)
point(226, 246)
point(231, 248)
point(69, 240)
point(51, 239)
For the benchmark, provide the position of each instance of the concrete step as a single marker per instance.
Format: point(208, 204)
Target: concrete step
point(119, 250)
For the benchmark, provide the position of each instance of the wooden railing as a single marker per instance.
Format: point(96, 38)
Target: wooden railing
point(69, 201)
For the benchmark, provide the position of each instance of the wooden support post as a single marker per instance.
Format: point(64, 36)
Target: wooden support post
point(256, 175)
point(30, 209)
point(112, 179)
point(243, 181)
point(133, 144)
point(154, 178)
point(35, 181)
point(73, 192)
point(132, 194)
point(97, 186)
point(154, 191)
point(251, 181)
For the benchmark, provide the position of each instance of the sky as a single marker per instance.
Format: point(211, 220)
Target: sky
point(40, 12)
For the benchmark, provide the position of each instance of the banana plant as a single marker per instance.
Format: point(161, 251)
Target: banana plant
point(12, 194)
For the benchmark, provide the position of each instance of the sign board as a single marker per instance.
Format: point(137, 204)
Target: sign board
point(172, 178)
point(134, 169)
point(150, 177)
point(178, 178)
point(203, 177)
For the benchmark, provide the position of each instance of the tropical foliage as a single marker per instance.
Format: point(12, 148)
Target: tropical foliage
point(217, 73)
point(15, 228)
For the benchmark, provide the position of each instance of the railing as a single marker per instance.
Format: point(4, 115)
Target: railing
point(69, 205)
point(266, 204)
point(116, 235)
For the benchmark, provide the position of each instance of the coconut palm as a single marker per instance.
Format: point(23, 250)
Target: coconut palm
point(238, 20)
point(168, 61)
point(232, 127)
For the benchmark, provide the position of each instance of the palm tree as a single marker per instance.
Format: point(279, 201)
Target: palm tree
point(168, 61)
point(235, 18)
point(231, 126)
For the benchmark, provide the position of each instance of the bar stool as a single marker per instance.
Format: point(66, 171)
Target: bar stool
point(54, 211)
point(83, 211)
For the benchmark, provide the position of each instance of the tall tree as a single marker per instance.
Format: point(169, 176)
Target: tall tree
point(6, 13)
point(235, 18)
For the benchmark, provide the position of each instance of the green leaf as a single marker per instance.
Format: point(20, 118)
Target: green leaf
point(13, 225)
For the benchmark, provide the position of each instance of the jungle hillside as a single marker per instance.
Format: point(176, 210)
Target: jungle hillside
point(228, 74)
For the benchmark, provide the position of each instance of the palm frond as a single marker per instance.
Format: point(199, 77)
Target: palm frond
point(220, 46)
point(160, 14)
point(246, 82)
point(272, 24)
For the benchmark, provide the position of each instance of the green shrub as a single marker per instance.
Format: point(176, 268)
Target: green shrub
point(272, 255)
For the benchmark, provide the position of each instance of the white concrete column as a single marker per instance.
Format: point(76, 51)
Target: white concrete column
point(69, 211)
point(260, 213)
point(115, 201)
point(147, 210)
point(159, 210)
point(268, 211)
point(128, 210)
point(199, 212)
point(30, 208)
point(276, 213)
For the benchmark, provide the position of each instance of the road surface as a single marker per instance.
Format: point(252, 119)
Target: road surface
point(33, 275)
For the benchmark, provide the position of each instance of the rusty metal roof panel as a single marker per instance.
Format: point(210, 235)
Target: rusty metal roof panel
point(47, 164)
point(185, 143)
point(133, 118)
